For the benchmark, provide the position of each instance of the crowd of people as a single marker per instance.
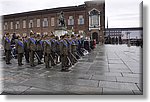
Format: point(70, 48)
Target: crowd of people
point(65, 50)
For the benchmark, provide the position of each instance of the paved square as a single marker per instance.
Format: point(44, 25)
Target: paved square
point(109, 69)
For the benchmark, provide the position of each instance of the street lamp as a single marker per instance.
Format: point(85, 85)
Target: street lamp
point(128, 36)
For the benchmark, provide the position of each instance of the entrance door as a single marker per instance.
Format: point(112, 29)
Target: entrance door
point(95, 36)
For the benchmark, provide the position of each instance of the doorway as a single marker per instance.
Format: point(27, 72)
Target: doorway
point(95, 36)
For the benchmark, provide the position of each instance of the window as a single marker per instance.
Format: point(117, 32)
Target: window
point(31, 24)
point(81, 31)
point(11, 25)
point(24, 23)
point(52, 22)
point(94, 19)
point(38, 22)
point(81, 20)
point(5, 26)
point(17, 25)
point(70, 20)
point(45, 22)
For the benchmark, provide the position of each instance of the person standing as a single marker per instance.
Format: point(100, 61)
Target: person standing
point(64, 53)
point(32, 48)
point(39, 51)
point(20, 50)
point(57, 50)
point(26, 50)
point(53, 49)
point(74, 47)
point(7, 48)
point(47, 51)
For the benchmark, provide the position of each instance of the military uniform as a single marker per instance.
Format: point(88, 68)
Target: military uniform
point(20, 50)
point(64, 54)
point(32, 48)
point(26, 50)
point(79, 46)
point(47, 53)
point(39, 45)
point(53, 50)
point(7, 48)
point(57, 51)
point(74, 48)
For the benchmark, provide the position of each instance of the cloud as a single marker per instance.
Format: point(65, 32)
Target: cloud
point(17, 6)
point(115, 10)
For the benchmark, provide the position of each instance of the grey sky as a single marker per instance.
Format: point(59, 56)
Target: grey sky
point(120, 13)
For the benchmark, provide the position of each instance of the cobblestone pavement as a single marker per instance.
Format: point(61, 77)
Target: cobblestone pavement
point(109, 69)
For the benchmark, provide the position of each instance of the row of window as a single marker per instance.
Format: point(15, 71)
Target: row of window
point(44, 23)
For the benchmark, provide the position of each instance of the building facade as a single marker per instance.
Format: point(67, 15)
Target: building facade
point(87, 19)
point(122, 35)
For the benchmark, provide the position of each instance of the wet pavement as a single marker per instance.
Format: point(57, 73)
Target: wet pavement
point(109, 69)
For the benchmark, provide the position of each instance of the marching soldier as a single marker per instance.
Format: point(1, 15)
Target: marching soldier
point(32, 48)
point(26, 50)
point(20, 50)
point(7, 48)
point(39, 45)
point(47, 51)
point(64, 53)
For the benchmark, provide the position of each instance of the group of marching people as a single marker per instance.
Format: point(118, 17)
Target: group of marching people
point(65, 50)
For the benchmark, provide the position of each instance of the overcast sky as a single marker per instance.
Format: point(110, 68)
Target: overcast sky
point(120, 13)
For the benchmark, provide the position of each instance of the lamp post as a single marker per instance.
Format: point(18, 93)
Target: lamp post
point(128, 36)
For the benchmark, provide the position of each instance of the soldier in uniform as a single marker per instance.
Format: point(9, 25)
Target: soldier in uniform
point(39, 45)
point(69, 63)
point(26, 50)
point(47, 51)
point(20, 50)
point(79, 45)
point(74, 47)
point(64, 53)
point(57, 50)
point(53, 50)
point(7, 48)
point(32, 48)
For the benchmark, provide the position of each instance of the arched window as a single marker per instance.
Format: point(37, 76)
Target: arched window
point(94, 19)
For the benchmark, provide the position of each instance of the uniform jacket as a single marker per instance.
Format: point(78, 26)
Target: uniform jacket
point(31, 44)
point(63, 47)
point(53, 44)
point(73, 46)
point(47, 46)
point(39, 45)
point(20, 46)
point(7, 43)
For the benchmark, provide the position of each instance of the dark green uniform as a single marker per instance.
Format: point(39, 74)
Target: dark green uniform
point(53, 50)
point(47, 53)
point(20, 50)
point(57, 51)
point(70, 61)
point(7, 48)
point(64, 54)
point(39, 51)
point(32, 48)
point(26, 51)
point(74, 49)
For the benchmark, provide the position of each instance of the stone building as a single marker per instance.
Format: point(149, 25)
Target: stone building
point(87, 19)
